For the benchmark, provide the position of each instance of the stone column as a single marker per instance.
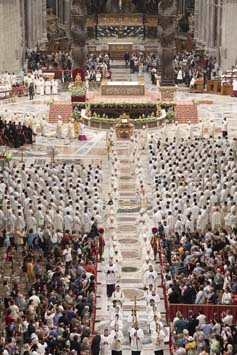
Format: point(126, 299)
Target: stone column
point(196, 19)
point(211, 25)
point(44, 21)
point(218, 29)
point(229, 34)
point(67, 13)
point(79, 33)
point(166, 31)
point(200, 20)
point(28, 24)
point(11, 36)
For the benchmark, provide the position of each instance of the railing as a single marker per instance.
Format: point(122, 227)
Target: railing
point(95, 300)
point(207, 309)
point(167, 307)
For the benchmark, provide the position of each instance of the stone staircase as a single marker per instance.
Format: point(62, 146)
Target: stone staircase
point(63, 109)
point(119, 71)
point(186, 112)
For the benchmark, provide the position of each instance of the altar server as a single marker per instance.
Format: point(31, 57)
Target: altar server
point(137, 339)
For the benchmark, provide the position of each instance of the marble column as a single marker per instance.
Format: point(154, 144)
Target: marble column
point(211, 25)
point(44, 21)
point(167, 28)
point(229, 34)
point(218, 29)
point(11, 36)
point(67, 13)
point(196, 19)
point(200, 22)
point(78, 33)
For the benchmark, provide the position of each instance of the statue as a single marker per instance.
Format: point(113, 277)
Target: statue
point(79, 33)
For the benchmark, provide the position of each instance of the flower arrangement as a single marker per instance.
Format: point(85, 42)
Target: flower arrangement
point(51, 101)
point(170, 114)
point(6, 155)
point(77, 91)
point(19, 90)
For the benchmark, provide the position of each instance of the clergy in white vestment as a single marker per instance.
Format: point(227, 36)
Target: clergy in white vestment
point(111, 277)
point(117, 321)
point(158, 337)
point(43, 127)
point(105, 343)
point(118, 296)
point(152, 298)
point(137, 339)
point(47, 87)
point(216, 219)
point(150, 277)
point(59, 128)
point(37, 86)
point(42, 86)
point(54, 87)
point(58, 222)
point(155, 321)
point(68, 222)
point(117, 339)
point(211, 129)
point(177, 133)
point(116, 311)
point(70, 131)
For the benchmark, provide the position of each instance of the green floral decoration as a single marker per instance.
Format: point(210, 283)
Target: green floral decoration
point(170, 114)
point(77, 91)
point(7, 155)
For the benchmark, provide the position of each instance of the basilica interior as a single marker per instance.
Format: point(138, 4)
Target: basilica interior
point(118, 177)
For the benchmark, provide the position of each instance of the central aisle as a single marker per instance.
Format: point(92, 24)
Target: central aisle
point(128, 243)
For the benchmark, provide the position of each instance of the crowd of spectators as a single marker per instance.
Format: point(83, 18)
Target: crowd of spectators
point(55, 60)
point(98, 67)
point(194, 204)
point(194, 66)
point(199, 335)
point(15, 135)
point(49, 243)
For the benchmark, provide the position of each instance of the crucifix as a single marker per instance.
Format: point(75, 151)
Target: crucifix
point(120, 5)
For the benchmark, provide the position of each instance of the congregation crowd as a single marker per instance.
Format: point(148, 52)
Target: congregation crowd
point(15, 134)
point(54, 60)
point(50, 230)
point(192, 66)
point(194, 204)
point(98, 68)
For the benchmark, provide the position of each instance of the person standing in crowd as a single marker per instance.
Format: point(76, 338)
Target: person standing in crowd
point(31, 91)
point(95, 344)
point(224, 128)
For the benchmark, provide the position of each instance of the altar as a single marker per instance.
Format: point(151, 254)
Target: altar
point(123, 88)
